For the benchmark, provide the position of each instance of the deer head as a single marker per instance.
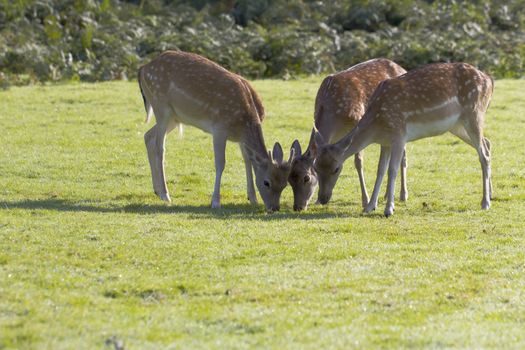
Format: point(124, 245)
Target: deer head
point(328, 164)
point(271, 174)
point(303, 177)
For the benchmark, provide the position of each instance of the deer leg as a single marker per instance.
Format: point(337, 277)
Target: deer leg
point(484, 158)
point(160, 142)
point(395, 161)
point(472, 136)
point(155, 141)
point(384, 158)
point(149, 140)
point(358, 161)
point(219, 149)
point(252, 197)
point(487, 147)
point(403, 195)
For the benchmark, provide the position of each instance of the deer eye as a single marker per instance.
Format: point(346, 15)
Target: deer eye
point(267, 183)
point(336, 170)
point(306, 178)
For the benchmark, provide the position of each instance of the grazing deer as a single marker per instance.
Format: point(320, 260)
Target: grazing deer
point(425, 102)
point(185, 88)
point(340, 103)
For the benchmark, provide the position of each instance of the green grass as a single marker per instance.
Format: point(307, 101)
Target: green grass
point(89, 254)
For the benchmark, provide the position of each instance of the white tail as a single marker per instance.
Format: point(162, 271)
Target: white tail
point(425, 102)
point(340, 103)
point(184, 88)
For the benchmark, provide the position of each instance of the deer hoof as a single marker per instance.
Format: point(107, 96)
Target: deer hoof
point(369, 208)
point(216, 203)
point(253, 200)
point(165, 197)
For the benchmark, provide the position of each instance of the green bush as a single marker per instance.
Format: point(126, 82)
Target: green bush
point(42, 40)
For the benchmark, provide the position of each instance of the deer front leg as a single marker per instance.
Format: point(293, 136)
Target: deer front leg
point(403, 195)
point(358, 162)
point(384, 157)
point(250, 188)
point(219, 150)
point(393, 167)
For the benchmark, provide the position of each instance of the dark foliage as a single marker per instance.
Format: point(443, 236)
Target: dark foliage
point(42, 40)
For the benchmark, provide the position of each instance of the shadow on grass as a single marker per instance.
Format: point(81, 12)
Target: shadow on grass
point(227, 211)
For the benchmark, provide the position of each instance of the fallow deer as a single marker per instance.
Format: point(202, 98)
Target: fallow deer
point(185, 88)
point(340, 103)
point(424, 102)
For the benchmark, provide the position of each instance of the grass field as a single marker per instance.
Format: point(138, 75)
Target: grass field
point(89, 257)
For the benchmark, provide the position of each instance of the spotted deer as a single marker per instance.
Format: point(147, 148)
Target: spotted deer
point(185, 88)
point(340, 103)
point(424, 102)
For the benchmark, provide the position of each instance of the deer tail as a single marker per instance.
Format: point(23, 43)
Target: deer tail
point(147, 105)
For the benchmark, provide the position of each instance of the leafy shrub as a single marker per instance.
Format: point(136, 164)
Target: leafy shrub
point(93, 40)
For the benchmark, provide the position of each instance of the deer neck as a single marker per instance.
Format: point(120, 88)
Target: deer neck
point(253, 139)
point(351, 143)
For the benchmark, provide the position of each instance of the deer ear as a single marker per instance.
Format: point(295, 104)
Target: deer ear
point(318, 139)
point(311, 153)
point(292, 155)
point(346, 141)
point(296, 148)
point(277, 153)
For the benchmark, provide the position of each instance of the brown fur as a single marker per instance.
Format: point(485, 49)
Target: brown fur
point(424, 102)
point(185, 88)
point(339, 105)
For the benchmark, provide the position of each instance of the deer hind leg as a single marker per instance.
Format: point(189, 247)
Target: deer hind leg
point(149, 140)
point(488, 147)
point(358, 162)
point(384, 158)
point(155, 144)
point(219, 149)
point(485, 157)
point(403, 194)
point(250, 188)
point(460, 132)
point(472, 135)
point(395, 161)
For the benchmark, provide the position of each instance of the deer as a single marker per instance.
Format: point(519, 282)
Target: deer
point(340, 103)
point(425, 102)
point(181, 88)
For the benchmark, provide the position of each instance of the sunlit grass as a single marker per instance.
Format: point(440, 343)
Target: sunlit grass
point(87, 252)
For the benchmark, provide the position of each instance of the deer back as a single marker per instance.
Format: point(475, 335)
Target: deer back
point(424, 102)
point(199, 92)
point(343, 97)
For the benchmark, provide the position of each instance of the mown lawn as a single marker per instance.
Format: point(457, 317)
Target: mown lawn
point(90, 257)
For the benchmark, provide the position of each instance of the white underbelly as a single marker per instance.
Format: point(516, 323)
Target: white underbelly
point(202, 122)
point(190, 110)
point(419, 130)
